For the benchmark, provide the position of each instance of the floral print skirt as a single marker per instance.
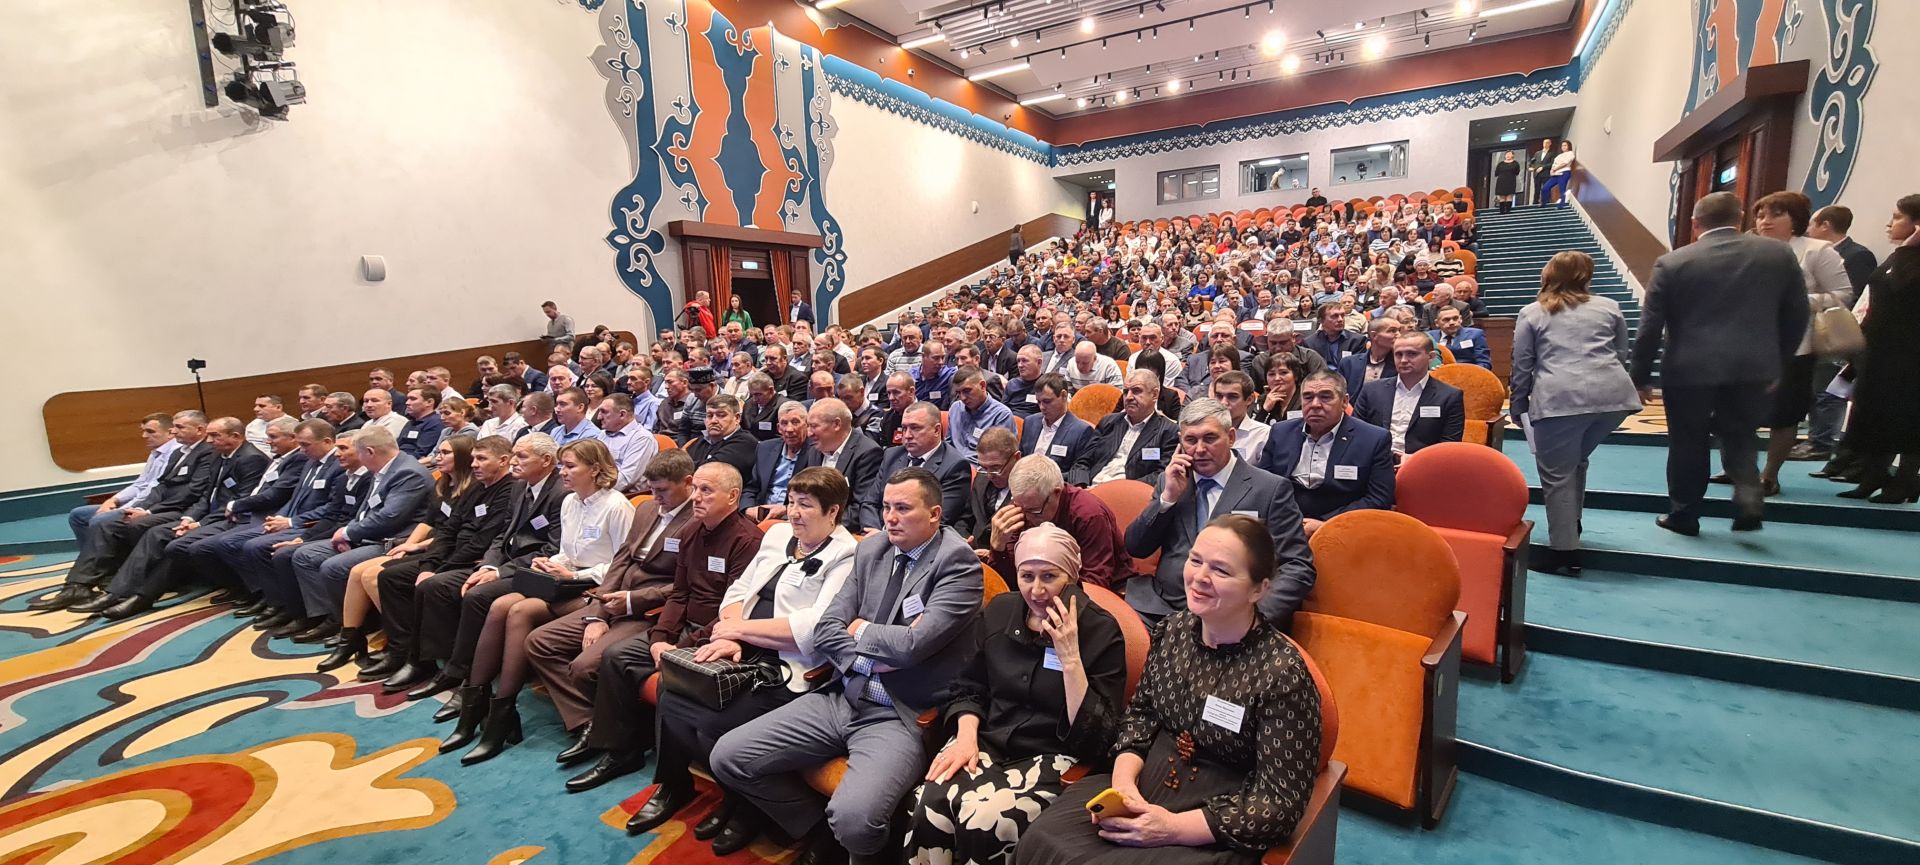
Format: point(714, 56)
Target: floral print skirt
point(977, 819)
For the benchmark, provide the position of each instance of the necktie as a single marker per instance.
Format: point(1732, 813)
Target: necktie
point(895, 581)
point(1203, 492)
point(916, 462)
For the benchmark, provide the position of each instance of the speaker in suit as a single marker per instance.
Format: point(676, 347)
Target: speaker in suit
point(1171, 521)
point(1071, 436)
point(1726, 311)
point(187, 478)
point(1440, 415)
point(1152, 448)
point(921, 612)
point(954, 473)
point(1358, 474)
point(857, 459)
point(397, 501)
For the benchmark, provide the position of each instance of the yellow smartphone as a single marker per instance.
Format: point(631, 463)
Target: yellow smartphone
point(1108, 804)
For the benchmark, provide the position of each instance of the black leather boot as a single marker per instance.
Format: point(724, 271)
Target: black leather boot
point(353, 646)
point(501, 731)
point(473, 713)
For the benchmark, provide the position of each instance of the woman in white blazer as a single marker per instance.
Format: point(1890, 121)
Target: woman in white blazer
point(1784, 216)
point(768, 613)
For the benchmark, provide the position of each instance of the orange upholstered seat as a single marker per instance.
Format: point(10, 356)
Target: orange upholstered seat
point(1466, 258)
point(1476, 500)
point(1093, 402)
point(1381, 622)
point(1446, 354)
point(1127, 498)
point(1313, 837)
point(1133, 632)
point(665, 443)
point(1485, 399)
point(636, 500)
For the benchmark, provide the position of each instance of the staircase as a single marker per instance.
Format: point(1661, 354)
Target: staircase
point(1514, 247)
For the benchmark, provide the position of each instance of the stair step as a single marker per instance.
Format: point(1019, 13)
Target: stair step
point(32, 535)
point(1851, 648)
point(1868, 563)
point(1808, 774)
point(1490, 823)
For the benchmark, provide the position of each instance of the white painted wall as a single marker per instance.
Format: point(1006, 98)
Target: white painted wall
point(1437, 158)
point(904, 192)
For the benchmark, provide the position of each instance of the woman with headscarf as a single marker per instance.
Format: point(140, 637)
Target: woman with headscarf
point(1042, 696)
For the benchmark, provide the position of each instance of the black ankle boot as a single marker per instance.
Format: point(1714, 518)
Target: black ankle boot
point(353, 647)
point(473, 712)
point(501, 731)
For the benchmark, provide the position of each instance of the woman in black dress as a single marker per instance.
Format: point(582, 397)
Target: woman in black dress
point(1043, 695)
point(1220, 747)
point(1506, 180)
point(1886, 394)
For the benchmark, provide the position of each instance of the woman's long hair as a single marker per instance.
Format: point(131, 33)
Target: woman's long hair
point(1565, 281)
point(452, 485)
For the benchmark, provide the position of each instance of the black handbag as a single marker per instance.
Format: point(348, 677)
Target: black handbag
point(716, 684)
point(545, 587)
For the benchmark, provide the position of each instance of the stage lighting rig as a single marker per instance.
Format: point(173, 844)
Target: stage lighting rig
point(265, 32)
point(267, 88)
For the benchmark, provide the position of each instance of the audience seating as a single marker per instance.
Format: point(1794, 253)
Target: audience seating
point(1127, 498)
point(1485, 398)
point(1467, 260)
point(643, 497)
point(1476, 500)
point(1093, 402)
point(1381, 622)
point(665, 441)
point(1312, 842)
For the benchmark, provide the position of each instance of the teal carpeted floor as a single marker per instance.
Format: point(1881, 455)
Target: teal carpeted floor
point(36, 530)
point(1833, 761)
point(1817, 548)
point(1642, 469)
point(1831, 630)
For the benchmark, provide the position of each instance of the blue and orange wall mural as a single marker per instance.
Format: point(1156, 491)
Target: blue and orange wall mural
point(725, 125)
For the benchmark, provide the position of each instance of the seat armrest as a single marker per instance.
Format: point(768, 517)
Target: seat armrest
point(1436, 772)
point(818, 674)
point(1497, 432)
point(1313, 838)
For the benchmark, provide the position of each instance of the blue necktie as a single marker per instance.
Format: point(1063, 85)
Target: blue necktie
point(1200, 506)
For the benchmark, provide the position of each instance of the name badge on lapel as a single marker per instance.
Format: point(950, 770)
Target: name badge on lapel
point(446, 509)
point(479, 510)
point(934, 394)
point(1223, 714)
point(228, 483)
point(913, 606)
point(1346, 473)
point(184, 468)
point(413, 434)
point(320, 483)
point(765, 424)
point(673, 545)
point(1057, 451)
point(1050, 660)
point(794, 577)
point(352, 501)
point(1254, 514)
point(1151, 455)
point(1429, 411)
point(717, 564)
point(539, 521)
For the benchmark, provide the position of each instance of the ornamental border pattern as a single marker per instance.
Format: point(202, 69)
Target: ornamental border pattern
point(1314, 120)
point(1592, 58)
point(927, 117)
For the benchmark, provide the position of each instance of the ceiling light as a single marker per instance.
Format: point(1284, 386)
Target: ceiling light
point(998, 71)
point(1086, 24)
point(1036, 100)
point(923, 41)
point(964, 53)
point(1273, 43)
point(1080, 103)
point(1119, 97)
point(1189, 25)
point(1509, 136)
point(1014, 42)
point(1063, 53)
point(824, 5)
point(1359, 26)
point(1269, 7)
point(1143, 11)
point(1375, 46)
point(1274, 161)
point(1136, 36)
point(1380, 148)
point(1465, 8)
point(1517, 7)
point(1160, 6)
point(1290, 64)
point(1173, 86)
point(1472, 32)
point(1246, 11)
point(1427, 40)
point(1156, 32)
point(1103, 44)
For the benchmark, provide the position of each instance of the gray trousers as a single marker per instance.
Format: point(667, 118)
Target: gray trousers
point(1562, 446)
point(1829, 412)
point(761, 761)
point(322, 574)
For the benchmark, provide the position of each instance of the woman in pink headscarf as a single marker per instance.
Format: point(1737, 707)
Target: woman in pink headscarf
point(1043, 696)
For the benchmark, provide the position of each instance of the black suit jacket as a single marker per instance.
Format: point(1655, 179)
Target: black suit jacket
point(348, 492)
point(277, 492)
point(980, 496)
point(469, 524)
point(793, 385)
point(752, 417)
point(233, 477)
point(1332, 350)
point(954, 472)
point(758, 489)
point(1375, 406)
point(1728, 308)
point(316, 486)
point(859, 462)
point(187, 478)
point(1171, 529)
point(532, 530)
point(1859, 261)
point(1152, 449)
point(737, 450)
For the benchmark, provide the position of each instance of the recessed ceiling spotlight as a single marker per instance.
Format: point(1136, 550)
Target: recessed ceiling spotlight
point(1273, 43)
point(1081, 102)
point(1374, 47)
point(1465, 8)
point(1290, 64)
point(1086, 24)
point(964, 53)
point(1014, 42)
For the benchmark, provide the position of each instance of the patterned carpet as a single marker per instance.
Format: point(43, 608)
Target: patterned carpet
point(182, 736)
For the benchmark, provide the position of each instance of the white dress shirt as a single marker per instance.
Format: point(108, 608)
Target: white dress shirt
point(394, 421)
point(1047, 431)
point(257, 436)
point(632, 447)
point(591, 531)
point(1406, 401)
point(1116, 468)
point(1311, 470)
point(1250, 438)
point(508, 429)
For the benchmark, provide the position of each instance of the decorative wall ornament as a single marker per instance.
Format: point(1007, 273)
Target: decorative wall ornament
point(712, 117)
point(1433, 100)
point(864, 85)
point(1616, 13)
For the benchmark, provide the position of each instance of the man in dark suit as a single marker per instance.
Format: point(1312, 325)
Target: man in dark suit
point(1728, 308)
point(395, 503)
point(432, 615)
point(996, 356)
point(989, 492)
point(265, 563)
point(1468, 344)
point(224, 558)
point(1335, 463)
point(422, 433)
point(1204, 480)
point(801, 311)
point(1053, 431)
point(761, 409)
point(342, 409)
point(1332, 340)
point(1415, 408)
point(900, 631)
point(1375, 363)
point(775, 461)
point(787, 380)
point(839, 445)
point(1135, 442)
point(724, 441)
point(922, 447)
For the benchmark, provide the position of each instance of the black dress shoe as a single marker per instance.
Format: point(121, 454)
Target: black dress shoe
point(452, 708)
point(326, 628)
point(579, 750)
point(128, 608)
point(224, 597)
point(1720, 478)
point(410, 675)
point(331, 642)
point(822, 848)
point(253, 608)
point(722, 814)
point(379, 670)
point(612, 765)
point(1690, 528)
point(1747, 523)
point(69, 594)
point(1566, 563)
point(665, 802)
point(439, 684)
point(273, 619)
point(1769, 488)
point(97, 604)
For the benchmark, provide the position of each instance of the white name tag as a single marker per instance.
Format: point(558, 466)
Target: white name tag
point(1223, 714)
point(352, 501)
point(1050, 660)
point(228, 483)
point(539, 521)
point(1150, 454)
point(1346, 473)
point(320, 484)
point(479, 510)
point(413, 434)
point(1429, 411)
point(1254, 514)
point(1466, 343)
point(1057, 451)
point(934, 394)
point(673, 545)
point(589, 533)
point(446, 509)
point(765, 424)
point(793, 577)
point(373, 501)
point(717, 564)
point(913, 606)
point(1294, 415)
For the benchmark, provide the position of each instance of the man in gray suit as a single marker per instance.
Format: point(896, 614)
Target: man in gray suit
point(1206, 480)
point(899, 632)
point(396, 501)
point(1730, 308)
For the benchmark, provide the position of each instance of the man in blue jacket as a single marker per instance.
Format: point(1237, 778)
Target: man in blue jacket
point(396, 501)
point(1468, 344)
point(1336, 463)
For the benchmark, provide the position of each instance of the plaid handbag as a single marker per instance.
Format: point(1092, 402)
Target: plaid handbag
point(715, 684)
